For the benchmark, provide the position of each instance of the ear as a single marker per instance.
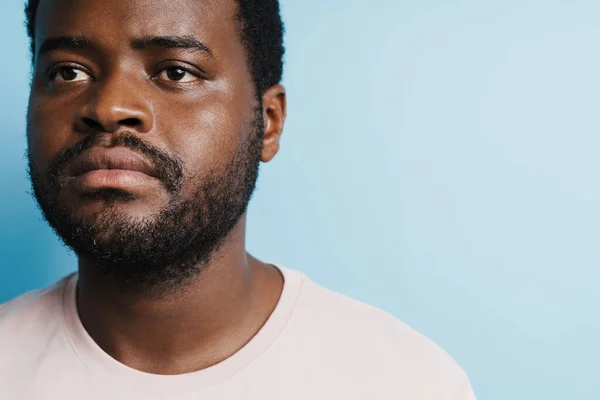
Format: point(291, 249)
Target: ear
point(274, 113)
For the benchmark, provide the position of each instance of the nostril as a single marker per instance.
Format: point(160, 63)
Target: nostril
point(91, 123)
point(131, 122)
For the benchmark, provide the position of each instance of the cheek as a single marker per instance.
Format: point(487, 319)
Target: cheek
point(49, 129)
point(204, 136)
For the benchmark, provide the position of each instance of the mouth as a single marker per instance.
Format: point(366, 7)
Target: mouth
point(117, 168)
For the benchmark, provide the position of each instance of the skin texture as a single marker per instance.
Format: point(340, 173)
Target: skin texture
point(117, 87)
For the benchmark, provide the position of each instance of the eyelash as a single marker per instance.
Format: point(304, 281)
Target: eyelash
point(187, 70)
point(53, 72)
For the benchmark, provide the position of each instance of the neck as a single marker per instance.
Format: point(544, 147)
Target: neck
point(188, 328)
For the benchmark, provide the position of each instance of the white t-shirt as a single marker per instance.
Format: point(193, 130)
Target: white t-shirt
point(316, 345)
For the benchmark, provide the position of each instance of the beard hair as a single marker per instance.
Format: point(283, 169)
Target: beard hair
point(161, 253)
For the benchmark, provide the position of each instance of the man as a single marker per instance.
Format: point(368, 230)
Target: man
point(147, 121)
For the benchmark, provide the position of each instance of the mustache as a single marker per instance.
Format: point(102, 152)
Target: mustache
point(169, 169)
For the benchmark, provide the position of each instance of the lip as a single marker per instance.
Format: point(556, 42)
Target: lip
point(115, 167)
point(118, 158)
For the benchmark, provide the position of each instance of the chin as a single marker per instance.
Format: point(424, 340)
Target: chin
point(109, 202)
point(99, 212)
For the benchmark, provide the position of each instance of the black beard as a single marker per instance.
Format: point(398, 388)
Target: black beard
point(164, 252)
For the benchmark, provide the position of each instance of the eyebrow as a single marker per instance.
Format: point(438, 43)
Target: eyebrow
point(161, 42)
point(172, 42)
point(64, 43)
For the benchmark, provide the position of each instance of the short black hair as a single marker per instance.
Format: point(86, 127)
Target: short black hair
point(261, 30)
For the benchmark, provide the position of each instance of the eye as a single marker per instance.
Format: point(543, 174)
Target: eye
point(69, 74)
point(177, 74)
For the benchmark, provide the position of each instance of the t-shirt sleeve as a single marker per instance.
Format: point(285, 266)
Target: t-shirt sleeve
point(466, 391)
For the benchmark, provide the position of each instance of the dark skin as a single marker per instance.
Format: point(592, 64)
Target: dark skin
point(194, 104)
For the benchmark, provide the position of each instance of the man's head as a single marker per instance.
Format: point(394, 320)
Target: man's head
point(146, 124)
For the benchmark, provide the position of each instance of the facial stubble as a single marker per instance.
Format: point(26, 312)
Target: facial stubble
point(165, 251)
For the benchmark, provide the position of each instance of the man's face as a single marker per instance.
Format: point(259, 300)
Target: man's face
point(144, 130)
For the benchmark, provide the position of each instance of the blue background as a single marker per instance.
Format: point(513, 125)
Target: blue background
point(440, 161)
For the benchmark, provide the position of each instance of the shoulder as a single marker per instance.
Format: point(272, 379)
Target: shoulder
point(353, 321)
point(372, 341)
point(31, 329)
point(32, 310)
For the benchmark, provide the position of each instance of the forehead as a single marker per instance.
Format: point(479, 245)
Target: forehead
point(212, 21)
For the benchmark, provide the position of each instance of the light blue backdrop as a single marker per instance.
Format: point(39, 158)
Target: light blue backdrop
point(440, 161)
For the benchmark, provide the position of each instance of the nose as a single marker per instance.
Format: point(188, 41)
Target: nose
point(114, 105)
